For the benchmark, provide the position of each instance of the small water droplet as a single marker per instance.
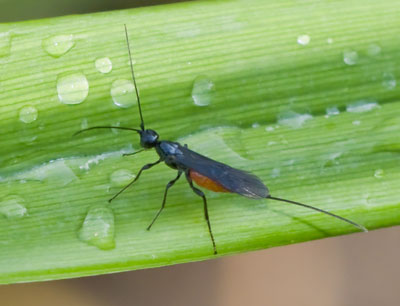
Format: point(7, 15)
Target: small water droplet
point(84, 124)
point(329, 40)
point(332, 111)
point(303, 40)
point(98, 228)
point(362, 106)
point(121, 177)
point(202, 91)
point(374, 50)
point(13, 207)
point(58, 45)
point(276, 172)
point(333, 159)
point(123, 93)
point(28, 114)
point(350, 57)
point(255, 125)
point(388, 81)
point(103, 65)
point(270, 129)
point(379, 173)
point(293, 119)
point(5, 44)
point(72, 88)
point(356, 122)
point(116, 131)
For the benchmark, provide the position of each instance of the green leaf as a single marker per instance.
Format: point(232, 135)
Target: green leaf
point(302, 94)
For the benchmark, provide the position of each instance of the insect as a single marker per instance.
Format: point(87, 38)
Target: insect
point(199, 169)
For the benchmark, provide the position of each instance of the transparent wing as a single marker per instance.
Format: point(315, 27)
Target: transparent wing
point(234, 180)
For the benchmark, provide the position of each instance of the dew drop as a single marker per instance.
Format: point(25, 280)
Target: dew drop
point(123, 93)
point(13, 207)
point(72, 88)
point(350, 57)
point(276, 172)
point(202, 91)
point(255, 125)
point(121, 177)
point(373, 50)
point(329, 40)
point(356, 122)
point(362, 106)
point(379, 173)
point(28, 114)
point(84, 124)
point(98, 228)
point(332, 111)
point(388, 81)
point(58, 45)
point(270, 129)
point(293, 119)
point(103, 65)
point(303, 40)
point(5, 44)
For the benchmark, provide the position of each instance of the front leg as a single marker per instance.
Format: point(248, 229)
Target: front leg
point(145, 167)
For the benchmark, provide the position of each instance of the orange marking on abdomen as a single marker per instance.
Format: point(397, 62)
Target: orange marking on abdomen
point(206, 182)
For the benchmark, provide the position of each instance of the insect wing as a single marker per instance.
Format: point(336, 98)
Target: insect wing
point(234, 180)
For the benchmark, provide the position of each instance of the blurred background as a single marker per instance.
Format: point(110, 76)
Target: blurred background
point(359, 269)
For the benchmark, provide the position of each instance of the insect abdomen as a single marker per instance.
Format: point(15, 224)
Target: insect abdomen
point(206, 182)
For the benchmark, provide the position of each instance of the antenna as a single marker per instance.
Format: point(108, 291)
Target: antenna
point(134, 81)
point(320, 210)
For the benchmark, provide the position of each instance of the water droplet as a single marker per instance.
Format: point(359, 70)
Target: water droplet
point(123, 93)
point(332, 111)
point(303, 40)
point(388, 81)
point(270, 129)
point(255, 125)
point(373, 50)
point(329, 40)
point(202, 91)
point(28, 114)
point(98, 228)
point(13, 207)
point(103, 65)
point(5, 44)
point(121, 177)
point(362, 106)
point(356, 122)
point(293, 119)
point(72, 88)
point(379, 173)
point(276, 172)
point(84, 124)
point(350, 57)
point(333, 159)
point(58, 45)
point(116, 131)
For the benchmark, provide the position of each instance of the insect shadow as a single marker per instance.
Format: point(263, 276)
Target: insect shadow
point(199, 169)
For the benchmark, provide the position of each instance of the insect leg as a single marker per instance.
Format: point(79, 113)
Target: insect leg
point(129, 154)
point(170, 184)
point(145, 167)
point(201, 194)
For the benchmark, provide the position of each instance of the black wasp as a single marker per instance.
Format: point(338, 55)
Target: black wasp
point(197, 168)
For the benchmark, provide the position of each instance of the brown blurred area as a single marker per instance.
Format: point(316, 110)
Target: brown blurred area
point(357, 270)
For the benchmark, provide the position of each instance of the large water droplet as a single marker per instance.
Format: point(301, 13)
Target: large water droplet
point(72, 88)
point(293, 119)
point(388, 81)
point(28, 114)
point(98, 228)
point(202, 91)
point(350, 57)
point(123, 93)
point(121, 178)
point(103, 65)
point(5, 44)
point(303, 40)
point(362, 106)
point(58, 45)
point(13, 207)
